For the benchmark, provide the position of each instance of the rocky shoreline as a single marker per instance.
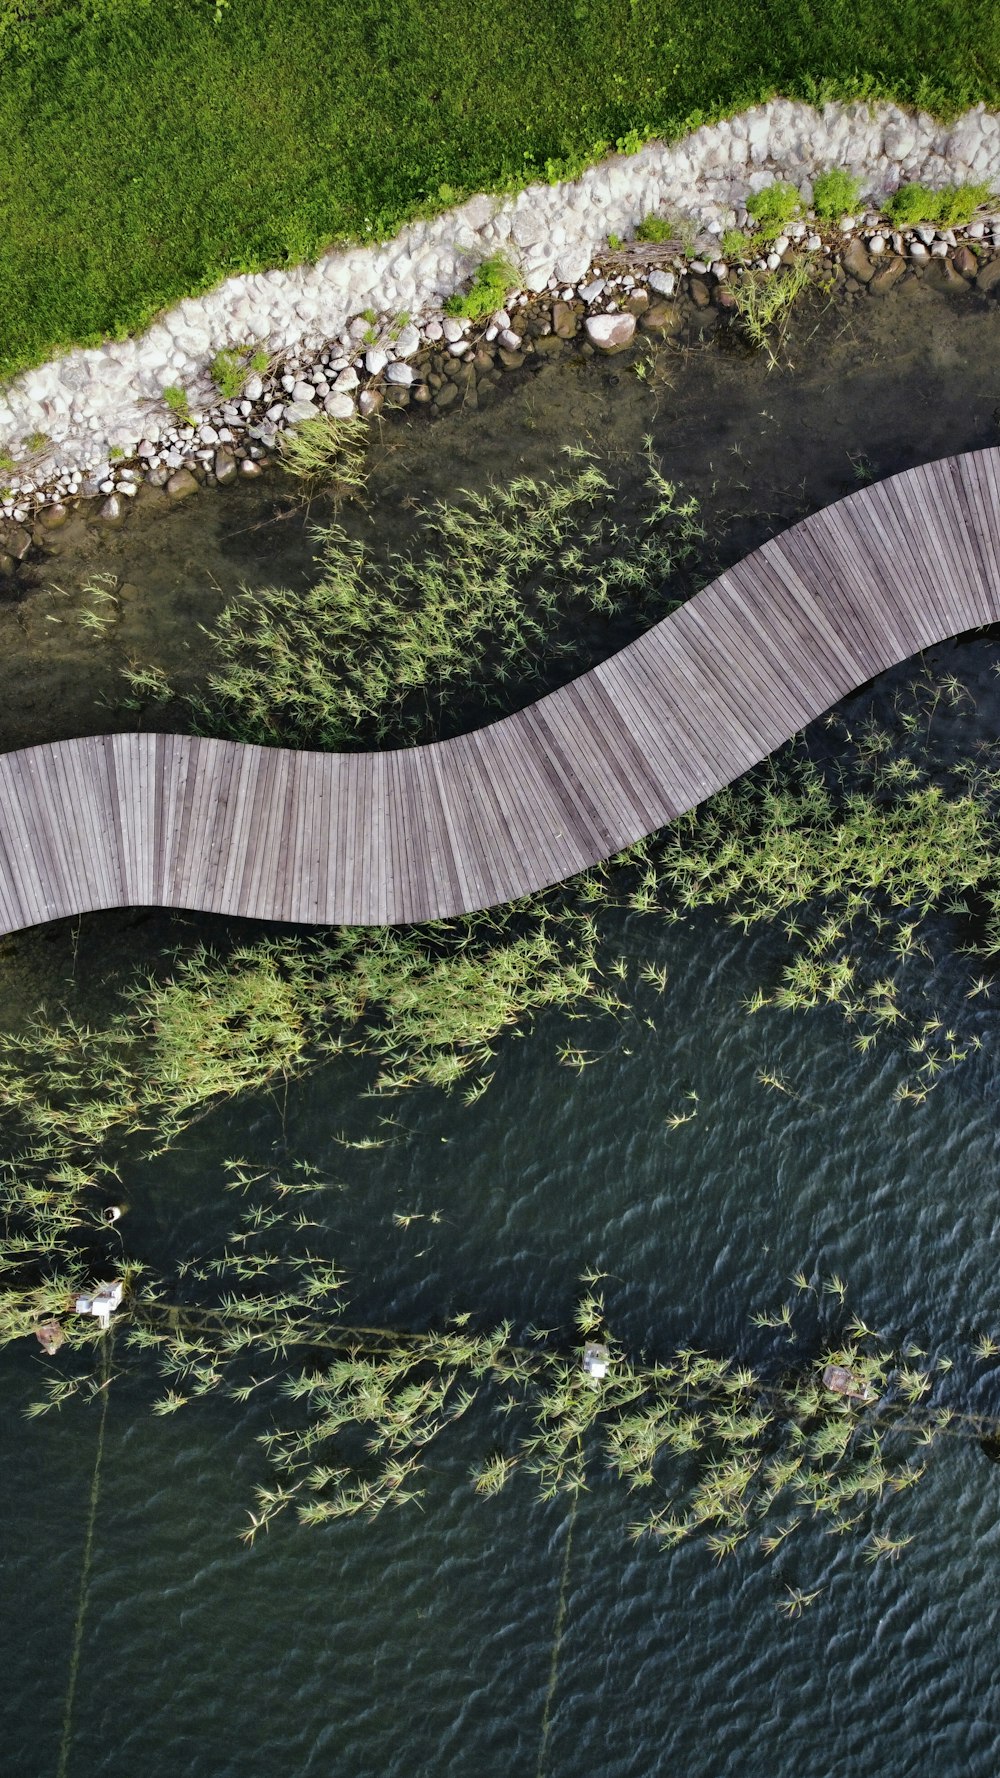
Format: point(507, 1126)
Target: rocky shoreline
point(105, 423)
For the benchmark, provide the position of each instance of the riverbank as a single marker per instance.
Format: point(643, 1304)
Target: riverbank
point(228, 369)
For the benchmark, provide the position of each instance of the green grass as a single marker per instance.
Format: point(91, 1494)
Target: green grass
point(149, 151)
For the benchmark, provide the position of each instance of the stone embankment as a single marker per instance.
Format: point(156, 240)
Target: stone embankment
point(365, 327)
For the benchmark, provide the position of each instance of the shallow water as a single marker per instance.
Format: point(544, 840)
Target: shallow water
point(426, 1643)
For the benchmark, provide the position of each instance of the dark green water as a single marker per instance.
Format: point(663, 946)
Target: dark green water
point(426, 1644)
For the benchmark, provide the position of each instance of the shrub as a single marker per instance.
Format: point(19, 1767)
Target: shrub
point(655, 228)
point(736, 243)
point(915, 203)
point(177, 401)
point(229, 374)
point(491, 286)
point(774, 208)
point(835, 193)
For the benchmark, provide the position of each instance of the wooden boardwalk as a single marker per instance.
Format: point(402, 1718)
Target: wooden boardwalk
point(427, 832)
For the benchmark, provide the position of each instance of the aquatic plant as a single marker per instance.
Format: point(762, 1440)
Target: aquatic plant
point(763, 299)
point(372, 650)
point(327, 453)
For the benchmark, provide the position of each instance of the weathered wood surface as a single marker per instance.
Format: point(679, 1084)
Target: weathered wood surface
point(427, 832)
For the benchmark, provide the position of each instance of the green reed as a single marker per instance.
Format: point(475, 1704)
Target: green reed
point(374, 651)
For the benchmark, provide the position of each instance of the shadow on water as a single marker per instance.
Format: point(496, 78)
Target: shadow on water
point(425, 1643)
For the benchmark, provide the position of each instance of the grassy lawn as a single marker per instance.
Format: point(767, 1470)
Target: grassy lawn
point(149, 151)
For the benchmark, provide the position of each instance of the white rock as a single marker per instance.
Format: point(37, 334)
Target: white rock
point(346, 380)
point(253, 390)
point(491, 333)
point(609, 333)
point(939, 249)
point(813, 243)
point(918, 250)
point(589, 293)
point(339, 406)
point(452, 329)
point(434, 332)
point(407, 342)
point(720, 271)
point(509, 340)
point(773, 261)
point(664, 283)
point(458, 348)
point(399, 373)
point(376, 359)
point(781, 244)
point(876, 244)
point(298, 411)
point(926, 233)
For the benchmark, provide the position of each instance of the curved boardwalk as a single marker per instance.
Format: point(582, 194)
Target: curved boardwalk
point(426, 832)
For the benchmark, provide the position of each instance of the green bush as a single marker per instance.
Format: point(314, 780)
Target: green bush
point(491, 286)
point(835, 194)
point(177, 401)
point(655, 228)
point(952, 204)
point(736, 244)
point(774, 208)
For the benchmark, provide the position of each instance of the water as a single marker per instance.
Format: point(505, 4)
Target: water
point(426, 1644)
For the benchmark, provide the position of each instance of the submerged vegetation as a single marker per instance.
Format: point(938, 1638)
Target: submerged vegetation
point(379, 651)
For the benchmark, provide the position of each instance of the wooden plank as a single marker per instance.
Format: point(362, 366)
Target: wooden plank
point(429, 832)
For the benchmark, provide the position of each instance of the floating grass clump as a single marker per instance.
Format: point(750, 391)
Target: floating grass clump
point(327, 453)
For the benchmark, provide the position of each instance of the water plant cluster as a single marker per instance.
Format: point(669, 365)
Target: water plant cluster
point(378, 651)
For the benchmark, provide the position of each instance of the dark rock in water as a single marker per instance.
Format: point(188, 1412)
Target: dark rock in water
point(181, 484)
point(638, 302)
point(448, 393)
point(53, 516)
point(665, 317)
point(17, 542)
point(397, 396)
point(111, 511)
point(886, 275)
point(225, 468)
point(7, 563)
point(990, 1447)
point(942, 274)
point(988, 276)
point(724, 299)
point(511, 360)
point(564, 321)
point(549, 346)
point(965, 262)
point(700, 294)
point(857, 262)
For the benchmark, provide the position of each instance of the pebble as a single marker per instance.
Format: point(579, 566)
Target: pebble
point(452, 330)
point(339, 406)
point(376, 359)
point(399, 374)
point(589, 293)
point(918, 251)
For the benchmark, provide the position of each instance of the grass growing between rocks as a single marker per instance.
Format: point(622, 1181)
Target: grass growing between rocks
point(152, 150)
